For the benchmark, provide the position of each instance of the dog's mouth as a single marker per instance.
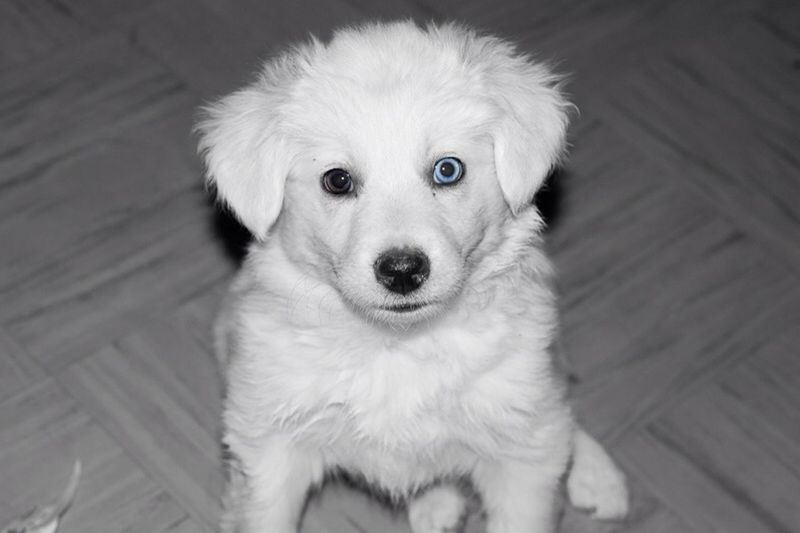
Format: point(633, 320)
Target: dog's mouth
point(404, 308)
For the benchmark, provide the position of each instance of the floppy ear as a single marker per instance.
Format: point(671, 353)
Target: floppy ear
point(530, 136)
point(246, 158)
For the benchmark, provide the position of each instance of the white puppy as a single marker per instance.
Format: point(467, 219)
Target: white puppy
point(393, 318)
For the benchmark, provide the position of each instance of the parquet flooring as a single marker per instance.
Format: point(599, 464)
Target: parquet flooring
point(674, 225)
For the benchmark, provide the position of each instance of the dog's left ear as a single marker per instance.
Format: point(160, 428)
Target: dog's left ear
point(530, 136)
point(246, 157)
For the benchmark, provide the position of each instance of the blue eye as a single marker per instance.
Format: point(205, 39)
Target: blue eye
point(447, 171)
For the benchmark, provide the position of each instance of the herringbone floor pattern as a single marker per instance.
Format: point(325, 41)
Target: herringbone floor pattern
point(675, 227)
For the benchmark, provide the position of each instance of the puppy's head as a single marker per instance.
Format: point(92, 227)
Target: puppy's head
point(389, 161)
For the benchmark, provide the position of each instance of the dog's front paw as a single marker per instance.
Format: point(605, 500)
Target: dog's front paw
point(437, 510)
point(595, 483)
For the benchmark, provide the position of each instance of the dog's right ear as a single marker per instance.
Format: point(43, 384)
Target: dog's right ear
point(246, 157)
point(530, 136)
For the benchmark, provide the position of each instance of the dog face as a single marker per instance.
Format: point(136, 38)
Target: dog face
point(389, 161)
point(399, 197)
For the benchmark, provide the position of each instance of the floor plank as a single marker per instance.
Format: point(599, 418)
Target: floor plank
point(75, 96)
point(685, 488)
point(42, 432)
point(30, 30)
point(216, 49)
point(735, 137)
point(104, 239)
point(157, 392)
point(592, 41)
point(63, 313)
point(114, 14)
point(766, 382)
point(732, 444)
point(18, 370)
point(655, 287)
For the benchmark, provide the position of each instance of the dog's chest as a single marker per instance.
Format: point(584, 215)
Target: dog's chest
point(399, 427)
point(401, 412)
point(411, 412)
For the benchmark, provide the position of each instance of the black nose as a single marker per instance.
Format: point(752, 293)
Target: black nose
point(402, 270)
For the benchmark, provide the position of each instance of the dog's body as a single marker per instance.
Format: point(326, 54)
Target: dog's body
point(394, 317)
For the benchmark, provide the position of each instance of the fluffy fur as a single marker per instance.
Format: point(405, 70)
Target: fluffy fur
point(321, 373)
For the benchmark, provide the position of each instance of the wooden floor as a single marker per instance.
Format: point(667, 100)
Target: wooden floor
point(675, 227)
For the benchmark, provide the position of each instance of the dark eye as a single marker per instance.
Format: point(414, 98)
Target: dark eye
point(447, 171)
point(337, 181)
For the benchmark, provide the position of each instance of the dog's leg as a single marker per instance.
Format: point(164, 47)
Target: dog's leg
point(439, 509)
point(595, 482)
point(518, 497)
point(267, 490)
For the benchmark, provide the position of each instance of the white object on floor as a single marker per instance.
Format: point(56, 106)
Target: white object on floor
point(46, 519)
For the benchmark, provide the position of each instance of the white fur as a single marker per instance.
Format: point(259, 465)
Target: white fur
point(320, 375)
point(439, 509)
point(594, 482)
